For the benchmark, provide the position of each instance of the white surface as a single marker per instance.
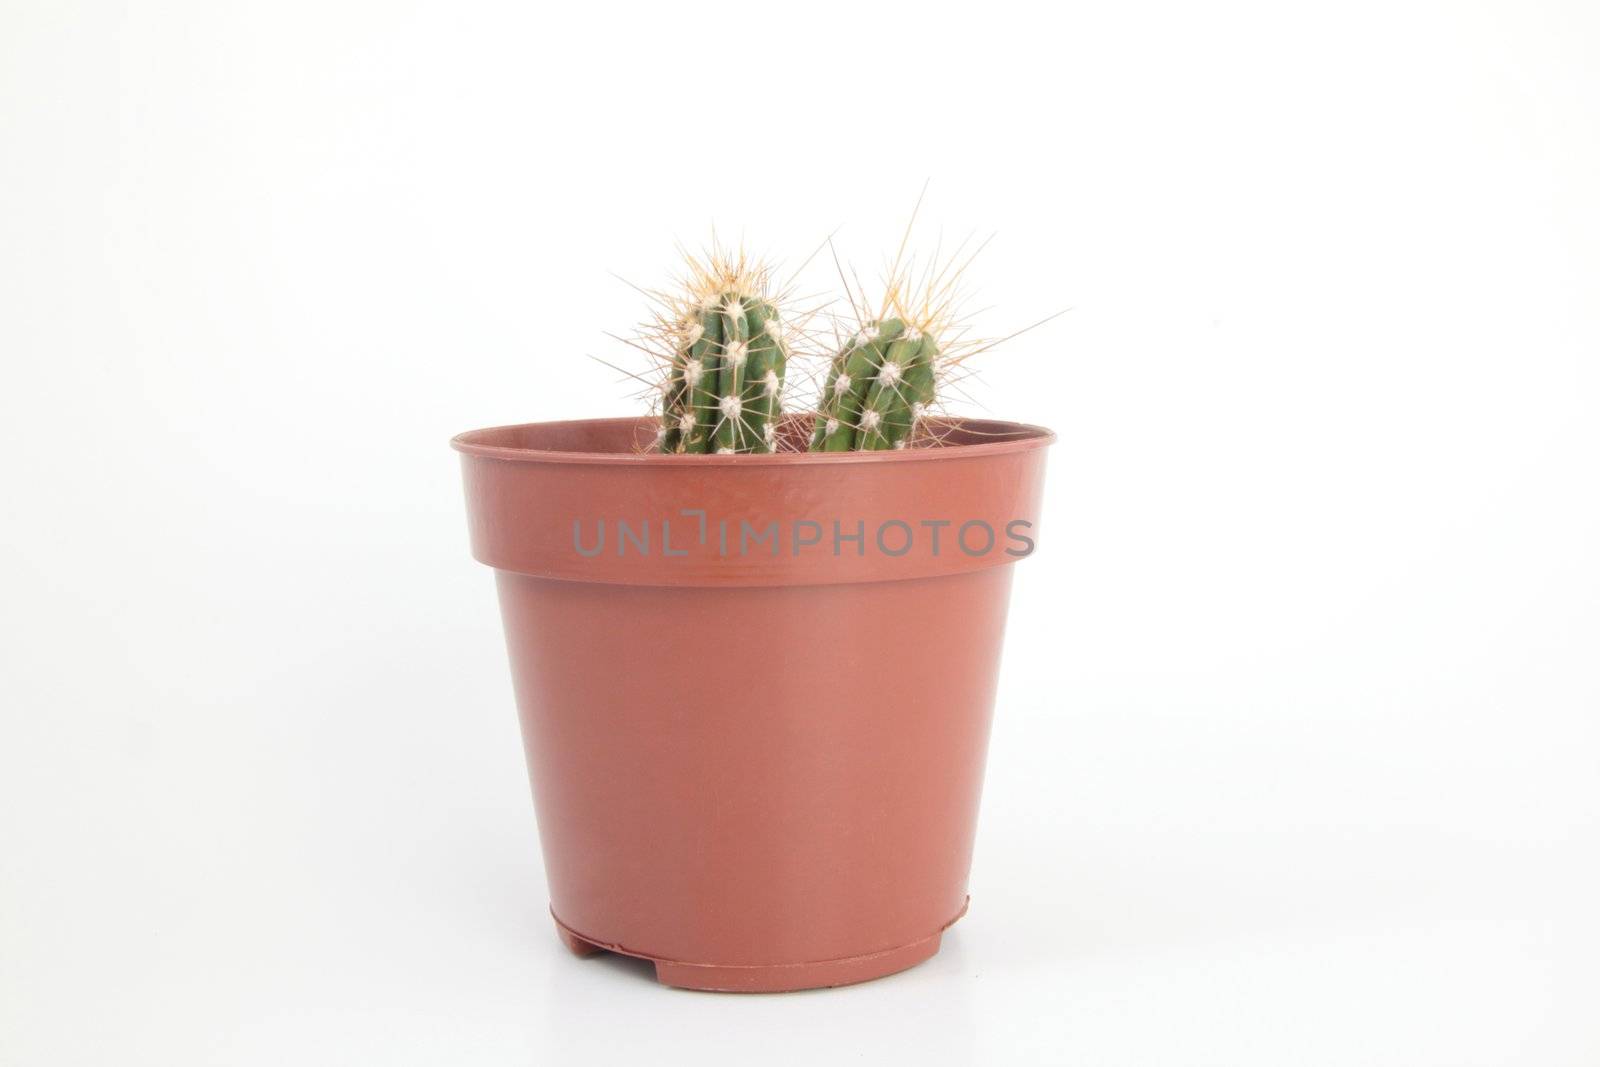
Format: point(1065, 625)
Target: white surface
point(1296, 753)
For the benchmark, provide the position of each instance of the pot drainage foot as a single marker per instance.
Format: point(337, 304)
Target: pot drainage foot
point(769, 978)
point(575, 944)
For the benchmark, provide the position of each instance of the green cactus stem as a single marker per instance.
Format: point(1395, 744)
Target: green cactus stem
point(725, 389)
point(878, 387)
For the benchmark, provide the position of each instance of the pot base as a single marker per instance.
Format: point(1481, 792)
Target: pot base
point(769, 978)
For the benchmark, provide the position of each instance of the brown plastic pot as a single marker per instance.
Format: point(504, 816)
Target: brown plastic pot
point(759, 769)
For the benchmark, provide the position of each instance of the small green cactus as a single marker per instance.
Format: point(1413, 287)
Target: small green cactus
point(721, 344)
point(878, 388)
point(725, 386)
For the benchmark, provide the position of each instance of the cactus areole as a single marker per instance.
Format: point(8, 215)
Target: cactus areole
point(811, 824)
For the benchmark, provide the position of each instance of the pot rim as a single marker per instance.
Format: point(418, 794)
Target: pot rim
point(1020, 437)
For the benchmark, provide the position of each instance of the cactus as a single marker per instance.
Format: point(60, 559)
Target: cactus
point(725, 385)
point(879, 387)
point(721, 343)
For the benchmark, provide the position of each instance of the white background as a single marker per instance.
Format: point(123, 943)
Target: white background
point(1296, 757)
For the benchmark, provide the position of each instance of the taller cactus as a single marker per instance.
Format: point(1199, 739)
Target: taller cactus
point(725, 383)
point(878, 388)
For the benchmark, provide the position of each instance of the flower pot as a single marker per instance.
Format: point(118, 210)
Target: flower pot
point(756, 760)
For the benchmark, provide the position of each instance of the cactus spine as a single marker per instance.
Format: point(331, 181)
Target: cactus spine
point(878, 388)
